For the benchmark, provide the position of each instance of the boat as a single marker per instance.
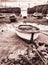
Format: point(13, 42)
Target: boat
point(25, 31)
point(38, 15)
point(47, 16)
point(1, 16)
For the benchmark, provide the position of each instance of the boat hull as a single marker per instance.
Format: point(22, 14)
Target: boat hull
point(27, 36)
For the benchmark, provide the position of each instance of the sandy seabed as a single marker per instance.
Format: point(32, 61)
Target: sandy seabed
point(15, 51)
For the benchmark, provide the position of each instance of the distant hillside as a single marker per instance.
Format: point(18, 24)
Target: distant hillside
point(15, 10)
point(40, 8)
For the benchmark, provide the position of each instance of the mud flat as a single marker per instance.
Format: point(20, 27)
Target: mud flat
point(13, 48)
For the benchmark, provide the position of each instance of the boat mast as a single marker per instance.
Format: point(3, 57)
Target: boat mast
point(47, 1)
point(5, 3)
point(29, 3)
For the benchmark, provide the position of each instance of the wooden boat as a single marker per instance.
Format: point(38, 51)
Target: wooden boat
point(25, 31)
point(1, 16)
point(38, 15)
point(47, 17)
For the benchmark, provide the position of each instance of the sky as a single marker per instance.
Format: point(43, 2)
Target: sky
point(13, 0)
point(21, 0)
point(21, 3)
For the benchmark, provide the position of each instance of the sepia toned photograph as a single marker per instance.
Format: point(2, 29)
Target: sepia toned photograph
point(23, 32)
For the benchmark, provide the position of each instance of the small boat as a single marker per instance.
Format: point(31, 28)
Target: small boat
point(47, 16)
point(25, 31)
point(1, 16)
point(38, 15)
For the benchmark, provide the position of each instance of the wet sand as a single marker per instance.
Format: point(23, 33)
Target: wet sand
point(11, 45)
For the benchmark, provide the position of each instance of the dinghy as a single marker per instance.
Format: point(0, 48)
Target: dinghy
point(38, 15)
point(25, 31)
point(47, 16)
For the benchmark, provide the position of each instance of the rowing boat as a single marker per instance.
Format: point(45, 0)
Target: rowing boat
point(25, 31)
